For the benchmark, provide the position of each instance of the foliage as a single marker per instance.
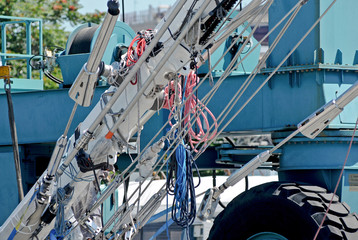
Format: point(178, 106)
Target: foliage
point(55, 14)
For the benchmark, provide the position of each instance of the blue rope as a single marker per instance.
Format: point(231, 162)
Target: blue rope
point(167, 209)
point(60, 223)
point(184, 203)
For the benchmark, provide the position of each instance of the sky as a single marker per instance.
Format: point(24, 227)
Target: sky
point(129, 5)
point(89, 6)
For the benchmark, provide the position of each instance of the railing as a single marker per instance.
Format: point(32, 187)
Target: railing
point(6, 57)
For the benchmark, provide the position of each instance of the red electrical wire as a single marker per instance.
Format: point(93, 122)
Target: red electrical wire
point(136, 50)
point(194, 107)
point(339, 180)
point(170, 95)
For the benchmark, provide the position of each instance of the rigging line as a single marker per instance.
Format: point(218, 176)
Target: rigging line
point(219, 82)
point(196, 196)
point(227, 17)
point(70, 119)
point(154, 137)
point(338, 181)
point(258, 44)
point(126, 81)
point(163, 164)
point(172, 151)
point(230, 68)
point(216, 64)
point(275, 70)
point(262, 61)
point(114, 228)
point(239, 19)
point(248, 81)
point(191, 95)
point(217, 42)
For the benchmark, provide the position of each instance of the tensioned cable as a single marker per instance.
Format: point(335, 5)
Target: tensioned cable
point(212, 140)
point(132, 165)
point(230, 68)
point(262, 61)
point(249, 80)
point(137, 157)
point(275, 70)
point(296, 45)
point(338, 181)
point(239, 19)
point(219, 82)
point(184, 117)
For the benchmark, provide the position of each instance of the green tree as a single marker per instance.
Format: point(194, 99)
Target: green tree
point(55, 14)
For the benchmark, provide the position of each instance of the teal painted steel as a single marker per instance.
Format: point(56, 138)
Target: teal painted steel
point(246, 67)
point(319, 162)
point(8, 186)
point(284, 101)
point(71, 64)
point(333, 41)
point(267, 236)
point(6, 58)
point(41, 116)
point(109, 207)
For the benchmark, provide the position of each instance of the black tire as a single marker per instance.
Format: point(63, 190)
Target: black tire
point(294, 211)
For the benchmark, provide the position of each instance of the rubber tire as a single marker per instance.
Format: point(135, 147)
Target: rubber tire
point(292, 210)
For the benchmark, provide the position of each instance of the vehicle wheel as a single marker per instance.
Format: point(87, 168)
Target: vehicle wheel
point(281, 211)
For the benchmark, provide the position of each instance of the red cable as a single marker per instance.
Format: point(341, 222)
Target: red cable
point(136, 80)
point(339, 180)
point(193, 107)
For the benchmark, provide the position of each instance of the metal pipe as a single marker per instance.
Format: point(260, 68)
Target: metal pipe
point(159, 66)
point(126, 80)
point(82, 89)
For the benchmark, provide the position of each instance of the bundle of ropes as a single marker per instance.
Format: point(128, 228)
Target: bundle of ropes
point(193, 109)
point(180, 184)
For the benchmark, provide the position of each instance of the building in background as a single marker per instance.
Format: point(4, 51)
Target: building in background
point(148, 19)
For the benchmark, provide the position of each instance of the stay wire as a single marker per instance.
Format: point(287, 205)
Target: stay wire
point(14, 139)
point(338, 182)
point(274, 71)
point(158, 134)
point(148, 144)
point(248, 81)
point(286, 15)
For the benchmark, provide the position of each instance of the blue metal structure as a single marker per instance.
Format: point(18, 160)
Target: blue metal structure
point(323, 67)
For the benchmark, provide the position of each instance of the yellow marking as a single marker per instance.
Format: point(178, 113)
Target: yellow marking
point(5, 72)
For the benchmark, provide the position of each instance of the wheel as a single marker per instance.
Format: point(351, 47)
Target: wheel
point(282, 211)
